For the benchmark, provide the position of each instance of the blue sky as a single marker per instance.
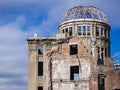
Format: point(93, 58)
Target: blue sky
point(20, 19)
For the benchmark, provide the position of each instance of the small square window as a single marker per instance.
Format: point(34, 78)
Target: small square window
point(40, 49)
point(73, 49)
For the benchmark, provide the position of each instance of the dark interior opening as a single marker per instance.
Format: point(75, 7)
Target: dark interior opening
point(40, 88)
point(74, 72)
point(79, 30)
point(101, 82)
point(70, 31)
point(40, 68)
point(73, 49)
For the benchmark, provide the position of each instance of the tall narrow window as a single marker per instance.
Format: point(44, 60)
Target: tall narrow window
point(101, 82)
point(40, 88)
point(88, 30)
point(73, 49)
point(40, 68)
point(99, 60)
point(102, 32)
point(84, 30)
point(79, 30)
point(97, 31)
point(63, 31)
point(74, 73)
point(70, 31)
point(102, 55)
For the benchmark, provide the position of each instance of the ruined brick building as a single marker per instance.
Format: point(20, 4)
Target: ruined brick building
point(78, 58)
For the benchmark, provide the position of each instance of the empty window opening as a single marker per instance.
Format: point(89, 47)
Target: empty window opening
point(97, 31)
point(40, 49)
point(79, 30)
point(40, 88)
point(101, 82)
point(66, 29)
point(73, 49)
point(100, 59)
point(63, 31)
point(88, 30)
point(74, 73)
point(70, 31)
point(40, 68)
point(84, 30)
point(102, 55)
point(102, 32)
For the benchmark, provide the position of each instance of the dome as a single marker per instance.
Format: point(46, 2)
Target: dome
point(86, 13)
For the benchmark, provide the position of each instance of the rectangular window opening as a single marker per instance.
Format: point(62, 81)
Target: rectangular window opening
point(101, 82)
point(102, 31)
point(100, 58)
point(63, 31)
point(70, 31)
point(74, 72)
point(66, 29)
point(40, 88)
point(106, 55)
point(40, 68)
point(84, 30)
point(79, 30)
point(97, 31)
point(73, 49)
point(88, 30)
point(40, 49)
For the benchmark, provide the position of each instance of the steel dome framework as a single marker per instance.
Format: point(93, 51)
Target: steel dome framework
point(85, 12)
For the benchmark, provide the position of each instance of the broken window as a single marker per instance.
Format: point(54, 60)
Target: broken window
point(88, 30)
point(73, 49)
point(40, 68)
point(84, 30)
point(79, 30)
point(74, 72)
point(102, 32)
point(40, 88)
point(101, 82)
point(40, 49)
point(66, 29)
point(97, 31)
point(63, 31)
point(102, 55)
point(70, 31)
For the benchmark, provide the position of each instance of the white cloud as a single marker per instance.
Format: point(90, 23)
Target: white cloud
point(13, 56)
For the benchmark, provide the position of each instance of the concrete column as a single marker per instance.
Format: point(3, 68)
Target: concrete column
point(47, 69)
point(32, 64)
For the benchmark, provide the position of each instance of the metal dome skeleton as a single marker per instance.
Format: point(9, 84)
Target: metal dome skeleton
point(85, 12)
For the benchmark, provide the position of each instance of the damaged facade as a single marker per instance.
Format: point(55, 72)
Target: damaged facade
point(78, 58)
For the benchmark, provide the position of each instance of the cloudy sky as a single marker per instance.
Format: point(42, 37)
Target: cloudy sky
point(20, 19)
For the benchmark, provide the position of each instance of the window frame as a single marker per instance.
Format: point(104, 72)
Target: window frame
point(73, 49)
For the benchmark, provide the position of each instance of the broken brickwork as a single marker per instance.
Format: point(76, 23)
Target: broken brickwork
point(78, 58)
